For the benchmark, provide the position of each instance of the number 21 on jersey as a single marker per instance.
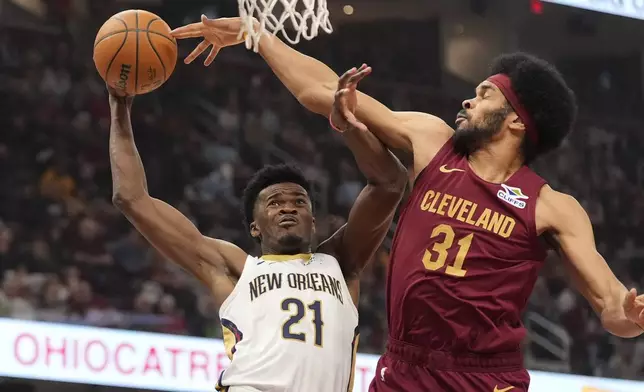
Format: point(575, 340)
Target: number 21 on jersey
point(298, 310)
point(436, 258)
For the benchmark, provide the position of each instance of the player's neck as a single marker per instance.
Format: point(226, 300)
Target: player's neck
point(269, 250)
point(495, 163)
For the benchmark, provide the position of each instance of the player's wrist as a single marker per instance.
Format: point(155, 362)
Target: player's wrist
point(641, 327)
point(334, 124)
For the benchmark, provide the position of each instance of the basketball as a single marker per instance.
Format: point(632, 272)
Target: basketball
point(134, 52)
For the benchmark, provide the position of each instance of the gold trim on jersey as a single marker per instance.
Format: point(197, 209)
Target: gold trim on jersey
point(218, 386)
point(275, 258)
point(231, 336)
point(229, 341)
point(354, 354)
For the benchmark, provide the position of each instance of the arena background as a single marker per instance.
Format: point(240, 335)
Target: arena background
point(71, 264)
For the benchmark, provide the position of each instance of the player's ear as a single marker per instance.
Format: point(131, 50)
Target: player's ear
point(515, 123)
point(313, 226)
point(254, 230)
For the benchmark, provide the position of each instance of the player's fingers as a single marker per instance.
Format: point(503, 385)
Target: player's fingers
point(358, 76)
point(358, 125)
point(342, 82)
point(341, 97)
point(211, 56)
point(349, 117)
point(340, 104)
point(629, 299)
point(362, 67)
point(197, 51)
point(355, 123)
point(215, 22)
point(188, 31)
point(211, 22)
point(344, 79)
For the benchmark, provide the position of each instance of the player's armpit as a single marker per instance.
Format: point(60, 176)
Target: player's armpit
point(565, 219)
point(174, 236)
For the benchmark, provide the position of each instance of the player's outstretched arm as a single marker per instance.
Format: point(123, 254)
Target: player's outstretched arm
point(373, 211)
point(621, 310)
point(169, 231)
point(314, 84)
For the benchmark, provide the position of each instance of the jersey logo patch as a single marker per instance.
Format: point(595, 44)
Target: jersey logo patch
point(383, 371)
point(444, 169)
point(513, 196)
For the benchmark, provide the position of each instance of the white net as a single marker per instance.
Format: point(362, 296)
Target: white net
point(304, 17)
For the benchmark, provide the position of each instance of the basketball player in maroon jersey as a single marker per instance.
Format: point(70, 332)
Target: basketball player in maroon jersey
point(470, 240)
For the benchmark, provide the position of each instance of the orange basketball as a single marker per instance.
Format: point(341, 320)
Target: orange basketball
point(134, 52)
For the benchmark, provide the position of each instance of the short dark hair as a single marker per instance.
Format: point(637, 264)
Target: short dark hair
point(265, 177)
point(544, 94)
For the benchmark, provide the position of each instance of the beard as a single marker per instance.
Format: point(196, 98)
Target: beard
point(469, 139)
point(290, 244)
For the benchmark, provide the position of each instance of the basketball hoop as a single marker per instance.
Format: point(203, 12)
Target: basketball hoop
point(306, 18)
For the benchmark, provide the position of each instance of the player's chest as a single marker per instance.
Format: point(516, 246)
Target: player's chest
point(445, 227)
point(273, 282)
point(475, 208)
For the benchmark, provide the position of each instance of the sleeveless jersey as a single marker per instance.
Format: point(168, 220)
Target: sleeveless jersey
point(464, 259)
point(289, 325)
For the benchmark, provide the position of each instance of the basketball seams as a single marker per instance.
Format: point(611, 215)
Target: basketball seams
point(113, 33)
point(147, 33)
point(107, 49)
point(164, 36)
point(107, 71)
point(108, 35)
point(136, 68)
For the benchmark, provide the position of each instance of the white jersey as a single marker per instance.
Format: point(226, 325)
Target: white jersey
point(290, 325)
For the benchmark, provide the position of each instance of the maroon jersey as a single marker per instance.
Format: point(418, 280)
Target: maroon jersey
point(464, 259)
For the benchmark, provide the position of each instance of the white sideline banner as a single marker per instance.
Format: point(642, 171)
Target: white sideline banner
point(627, 8)
point(87, 355)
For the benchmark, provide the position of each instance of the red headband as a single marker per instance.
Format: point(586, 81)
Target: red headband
point(504, 84)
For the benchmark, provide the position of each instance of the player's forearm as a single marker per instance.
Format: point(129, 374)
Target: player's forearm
point(128, 176)
point(314, 85)
point(375, 161)
point(312, 82)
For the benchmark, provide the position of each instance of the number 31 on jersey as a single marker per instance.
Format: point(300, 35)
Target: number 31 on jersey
point(436, 258)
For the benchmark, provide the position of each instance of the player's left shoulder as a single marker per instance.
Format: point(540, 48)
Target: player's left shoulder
point(331, 245)
point(556, 209)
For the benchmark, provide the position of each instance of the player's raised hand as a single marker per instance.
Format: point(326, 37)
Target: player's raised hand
point(634, 307)
point(346, 99)
point(217, 33)
point(119, 98)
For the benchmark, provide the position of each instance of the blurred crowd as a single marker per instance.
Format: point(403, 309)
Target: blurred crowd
point(67, 255)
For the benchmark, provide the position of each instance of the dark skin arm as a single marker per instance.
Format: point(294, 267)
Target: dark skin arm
point(216, 263)
point(373, 211)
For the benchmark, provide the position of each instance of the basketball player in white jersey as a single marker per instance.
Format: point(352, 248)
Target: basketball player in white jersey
point(289, 317)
